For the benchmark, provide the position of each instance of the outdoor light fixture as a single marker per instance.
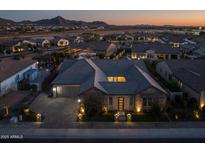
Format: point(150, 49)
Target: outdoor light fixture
point(80, 116)
point(82, 110)
point(26, 110)
point(54, 89)
point(105, 109)
point(201, 105)
point(79, 100)
point(196, 114)
point(117, 116)
point(129, 117)
point(176, 117)
point(38, 117)
point(138, 109)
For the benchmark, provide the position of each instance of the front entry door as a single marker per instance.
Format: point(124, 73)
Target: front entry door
point(121, 103)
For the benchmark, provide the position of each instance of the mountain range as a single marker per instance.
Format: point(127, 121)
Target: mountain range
point(60, 21)
point(57, 21)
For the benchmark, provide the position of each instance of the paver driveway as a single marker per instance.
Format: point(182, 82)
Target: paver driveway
point(58, 112)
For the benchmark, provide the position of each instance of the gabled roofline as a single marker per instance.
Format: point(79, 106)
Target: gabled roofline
point(151, 80)
point(99, 75)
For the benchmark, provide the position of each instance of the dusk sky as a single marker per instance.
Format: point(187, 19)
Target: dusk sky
point(196, 18)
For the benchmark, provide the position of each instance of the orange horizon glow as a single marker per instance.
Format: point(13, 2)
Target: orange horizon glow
point(159, 22)
point(115, 17)
point(178, 18)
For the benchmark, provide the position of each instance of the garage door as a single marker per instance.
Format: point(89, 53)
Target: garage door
point(68, 91)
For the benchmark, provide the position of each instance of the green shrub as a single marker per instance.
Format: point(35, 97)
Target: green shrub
point(192, 103)
point(93, 105)
point(29, 115)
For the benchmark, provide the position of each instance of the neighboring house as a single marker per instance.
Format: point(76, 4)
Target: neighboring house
point(198, 47)
point(141, 37)
point(6, 45)
point(154, 51)
point(39, 79)
point(12, 71)
point(23, 46)
point(31, 74)
point(176, 40)
point(123, 85)
point(62, 43)
point(46, 43)
point(97, 47)
point(189, 74)
point(78, 39)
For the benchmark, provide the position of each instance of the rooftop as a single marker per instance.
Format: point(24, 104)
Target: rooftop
point(157, 47)
point(191, 72)
point(94, 73)
point(9, 67)
point(97, 46)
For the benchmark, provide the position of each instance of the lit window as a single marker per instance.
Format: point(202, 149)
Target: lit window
point(110, 78)
point(121, 79)
point(116, 79)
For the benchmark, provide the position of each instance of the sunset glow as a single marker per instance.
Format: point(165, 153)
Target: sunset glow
point(118, 17)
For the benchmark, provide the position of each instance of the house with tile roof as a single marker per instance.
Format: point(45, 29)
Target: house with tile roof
point(123, 85)
point(189, 74)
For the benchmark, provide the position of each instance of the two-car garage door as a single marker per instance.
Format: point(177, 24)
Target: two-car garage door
point(67, 90)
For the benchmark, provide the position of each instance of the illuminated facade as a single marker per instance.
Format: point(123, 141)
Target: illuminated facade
point(122, 85)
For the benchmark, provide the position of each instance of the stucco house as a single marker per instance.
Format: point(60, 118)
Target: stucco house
point(176, 40)
point(189, 74)
point(154, 51)
point(23, 46)
point(123, 85)
point(146, 37)
point(62, 43)
point(104, 47)
point(12, 71)
point(46, 43)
